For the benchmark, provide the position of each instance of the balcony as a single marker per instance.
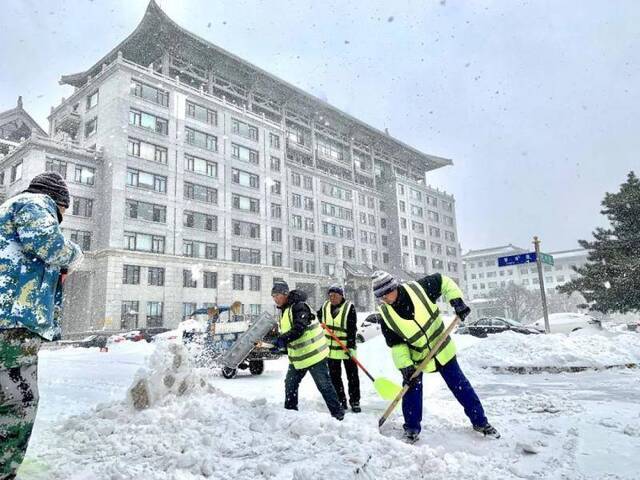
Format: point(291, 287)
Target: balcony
point(68, 121)
point(298, 146)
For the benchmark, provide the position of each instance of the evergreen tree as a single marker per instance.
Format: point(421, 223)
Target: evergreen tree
point(610, 280)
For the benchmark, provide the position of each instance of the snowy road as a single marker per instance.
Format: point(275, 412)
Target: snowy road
point(582, 425)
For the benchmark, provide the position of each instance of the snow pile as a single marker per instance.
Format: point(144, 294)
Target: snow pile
point(583, 348)
point(169, 373)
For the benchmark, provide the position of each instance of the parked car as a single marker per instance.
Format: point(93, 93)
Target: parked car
point(490, 325)
point(567, 322)
point(369, 327)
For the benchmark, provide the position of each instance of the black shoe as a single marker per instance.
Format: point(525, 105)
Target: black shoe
point(344, 405)
point(487, 430)
point(411, 437)
point(355, 408)
point(339, 416)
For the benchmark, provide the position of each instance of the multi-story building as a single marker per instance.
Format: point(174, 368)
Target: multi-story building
point(482, 274)
point(210, 178)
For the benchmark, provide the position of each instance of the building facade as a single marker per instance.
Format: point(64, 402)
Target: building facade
point(210, 178)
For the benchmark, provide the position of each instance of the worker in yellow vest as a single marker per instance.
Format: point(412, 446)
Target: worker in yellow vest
point(340, 317)
point(303, 337)
point(411, 326)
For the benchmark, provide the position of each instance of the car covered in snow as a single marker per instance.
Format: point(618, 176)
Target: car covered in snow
point(567, 322)
point(489, 325)
point(368, 326)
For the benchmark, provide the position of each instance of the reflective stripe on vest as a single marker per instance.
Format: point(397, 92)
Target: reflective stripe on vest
point(307, 350)
point(338, 325)
point(423, 331)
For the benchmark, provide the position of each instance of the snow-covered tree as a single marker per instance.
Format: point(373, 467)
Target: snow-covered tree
point(610, 280)
point(521, 304)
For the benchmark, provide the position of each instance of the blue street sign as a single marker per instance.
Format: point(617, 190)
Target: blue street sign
point(517, 259)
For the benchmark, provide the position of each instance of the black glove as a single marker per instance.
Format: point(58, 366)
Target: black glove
point(406, 374)
point(279, 346)
point(461, 308)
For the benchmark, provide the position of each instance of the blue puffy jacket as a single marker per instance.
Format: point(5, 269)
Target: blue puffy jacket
point(32, 252)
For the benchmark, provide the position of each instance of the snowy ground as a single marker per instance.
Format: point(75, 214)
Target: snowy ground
point(582, 425)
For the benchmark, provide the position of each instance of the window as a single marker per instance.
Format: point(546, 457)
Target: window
point(188, 280)
point(130, 274)
point(403, 223)
point(309, 225)
point(308, 183)
point(403, 206)
point(436, 248)
point(147, 151)
point(298, 265)
point(297, 243)
point(200, 221)
point(276, 210)
point(348, 252)
point(200, 193)
point(450, 236)
point(146, 211)
point(203, 114)
point(385, 240)
point(149, 93)
point(447, 220)
point(195, 249)
point(275, 164)
point(244, 129)
point(254, 283)
point(310, 267)
point(329, 249)
point(154, 314)
point(188, 309)
point(415, 194)
point(295, 179)
point(90, 127)
point(401, 189)
point(276, 259)
point(276, 235)
point(372, 220)
point(308, 203)
point(276, 187)
point(329, 269)
point(84, 175)
point(82, 238)
point(337, 211)
point(245, 179)
point(238, 281)
point(58, 166)
point(385, 258)
point(148, 121)
point(296, 200)
point(434, 232)
point(92, 100)
point(2, 177)
point(155, 276)
point(129, 314)
point(309, 245)
point(148, 181)
point(452, 267)
point(437, 263)
point(405, 241)
point(420, 261)
point(245, 229)
point(201, 139)
point(245, 255)
point(201, 166)
point(245, 154)
point(246, 204)
point(296, 221)
point(417, 227)
point(451, 251)
point(274, 141)
point(337, 230)
point(419, 244)
point(16, 171)
point(416, 211)
point(329, 149)
point(143, 242)
point(82, 207)
point(433, 216)
point(335, 191)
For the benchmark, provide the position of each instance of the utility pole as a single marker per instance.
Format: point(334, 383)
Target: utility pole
point(536, 244)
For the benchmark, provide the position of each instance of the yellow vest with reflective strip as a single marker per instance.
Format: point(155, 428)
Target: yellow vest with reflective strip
point(310, 348)
point(338, 325)
point(422, 332)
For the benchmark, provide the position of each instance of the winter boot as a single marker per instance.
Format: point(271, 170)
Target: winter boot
point(338, 416)
point(355, 408)
point(411, 437)
point(487, 430)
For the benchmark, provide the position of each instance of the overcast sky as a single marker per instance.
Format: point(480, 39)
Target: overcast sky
point(535, 102)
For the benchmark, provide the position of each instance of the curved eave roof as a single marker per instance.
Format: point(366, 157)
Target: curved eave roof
point(156, 28)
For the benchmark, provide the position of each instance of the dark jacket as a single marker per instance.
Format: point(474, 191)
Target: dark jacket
point(403, 306)
point(301, 314)
point(352, 322)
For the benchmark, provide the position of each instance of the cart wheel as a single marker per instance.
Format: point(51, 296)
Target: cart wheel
point(229, 372)
point(359, 338)
point(256, 367)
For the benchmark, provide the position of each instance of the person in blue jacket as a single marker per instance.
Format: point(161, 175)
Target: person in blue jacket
point(35, 257)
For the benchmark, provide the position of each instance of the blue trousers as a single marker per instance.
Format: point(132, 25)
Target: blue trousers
point(459, 386)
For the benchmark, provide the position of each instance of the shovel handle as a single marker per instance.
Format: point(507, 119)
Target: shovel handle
point(344, 347)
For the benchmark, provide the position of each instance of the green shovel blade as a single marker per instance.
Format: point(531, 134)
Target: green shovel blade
point(386, 388)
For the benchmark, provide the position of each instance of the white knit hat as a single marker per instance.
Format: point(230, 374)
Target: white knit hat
point(383, 283)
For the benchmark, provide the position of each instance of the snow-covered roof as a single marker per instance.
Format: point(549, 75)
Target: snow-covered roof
point(564, 254)
point(492, 252)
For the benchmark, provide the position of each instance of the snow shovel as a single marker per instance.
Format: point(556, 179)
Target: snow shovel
point(422, 366)
point(385, 387)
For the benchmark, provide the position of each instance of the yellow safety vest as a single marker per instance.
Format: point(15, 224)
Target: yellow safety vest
point(307, 350)
point(423, 332)
point(338, 325)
